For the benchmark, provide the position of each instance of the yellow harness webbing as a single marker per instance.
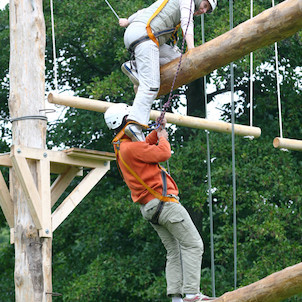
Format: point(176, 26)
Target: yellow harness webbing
point(148, 27)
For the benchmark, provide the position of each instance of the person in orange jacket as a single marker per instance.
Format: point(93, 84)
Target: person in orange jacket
point(157, 194)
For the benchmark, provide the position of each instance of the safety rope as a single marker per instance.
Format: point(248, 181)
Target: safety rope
point(233, 156)
point(54, 46)
point(278, 85)
point(168, 103)
point(210, 199)
point(251, 77)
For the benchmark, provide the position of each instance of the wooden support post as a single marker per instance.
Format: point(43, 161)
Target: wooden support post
point(272, 25)
point(43, 169)
point(177, 119)
point(27, 69)
point(276, 287)
point(287, 143)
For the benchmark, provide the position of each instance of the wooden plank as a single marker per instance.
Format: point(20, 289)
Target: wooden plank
point(177, 119)
point(273, 288)
point(61, 183)
point(29, 188)
point(77, 195)
point(43, 169)
point(93, 154)
point(59, 157)
point(288, 143)
point(6, 202)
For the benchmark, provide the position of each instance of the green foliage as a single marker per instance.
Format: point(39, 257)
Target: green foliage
point(7, 291)
point(268, 194)
point(4, 82)
point(105, 251)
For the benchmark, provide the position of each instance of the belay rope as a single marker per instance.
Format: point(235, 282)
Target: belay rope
point(168, 103)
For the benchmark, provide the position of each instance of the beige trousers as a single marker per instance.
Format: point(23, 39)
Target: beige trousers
point(183, 244)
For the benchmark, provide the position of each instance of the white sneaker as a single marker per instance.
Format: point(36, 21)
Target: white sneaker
point(198, 298)
point(135, 133)
point(128, 70)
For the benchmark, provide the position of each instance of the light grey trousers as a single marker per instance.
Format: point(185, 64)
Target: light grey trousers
point(148, 58)
point(183, 244)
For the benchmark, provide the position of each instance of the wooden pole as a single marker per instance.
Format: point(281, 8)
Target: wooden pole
point(274, 24)
point(276, 287)
point(177, 119)
point(287, 143)
point(26, 100)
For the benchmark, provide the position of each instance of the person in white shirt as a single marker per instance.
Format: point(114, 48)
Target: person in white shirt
point(146, 35)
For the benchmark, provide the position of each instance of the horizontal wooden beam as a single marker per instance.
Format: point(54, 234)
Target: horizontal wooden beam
point(272, 25)
point(5, 160)
point(287, 143)
point(66, 158)
point(273, 288)
point(177, 119)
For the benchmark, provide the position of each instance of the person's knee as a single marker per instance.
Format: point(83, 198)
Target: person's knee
point(153, 91)
point(200, 247)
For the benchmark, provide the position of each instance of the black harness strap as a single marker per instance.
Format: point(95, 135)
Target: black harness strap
point(146, 38)
point(160, 206)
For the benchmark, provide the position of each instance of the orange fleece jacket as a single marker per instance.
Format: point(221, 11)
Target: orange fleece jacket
point(143, 159)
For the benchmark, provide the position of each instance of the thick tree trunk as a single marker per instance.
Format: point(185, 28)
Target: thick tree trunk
point(274, 24)
point(27, 88)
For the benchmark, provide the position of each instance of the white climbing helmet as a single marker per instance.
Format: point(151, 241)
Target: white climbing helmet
point(115, 114)
point(213, 5)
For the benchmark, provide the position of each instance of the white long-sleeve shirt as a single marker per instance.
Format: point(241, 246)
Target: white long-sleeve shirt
point(186, 13)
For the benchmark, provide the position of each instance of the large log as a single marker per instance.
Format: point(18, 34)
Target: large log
point(177, 119)
point(273, 288)
point(272, 25)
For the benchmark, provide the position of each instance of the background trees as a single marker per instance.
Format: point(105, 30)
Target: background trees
point(105, 251)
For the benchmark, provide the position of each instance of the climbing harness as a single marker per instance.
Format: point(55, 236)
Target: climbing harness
point(148, 27)
point(146, 38)
point(162, 197)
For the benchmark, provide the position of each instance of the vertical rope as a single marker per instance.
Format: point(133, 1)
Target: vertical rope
point(210, 199)
point(54, 46)
point(233, 157)
point(251, 77)
point(167, 104)
point(278, 84)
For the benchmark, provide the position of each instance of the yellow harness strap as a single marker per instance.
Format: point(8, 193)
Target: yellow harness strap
point(116, 141)
point(150, 190)
point(148, 27)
